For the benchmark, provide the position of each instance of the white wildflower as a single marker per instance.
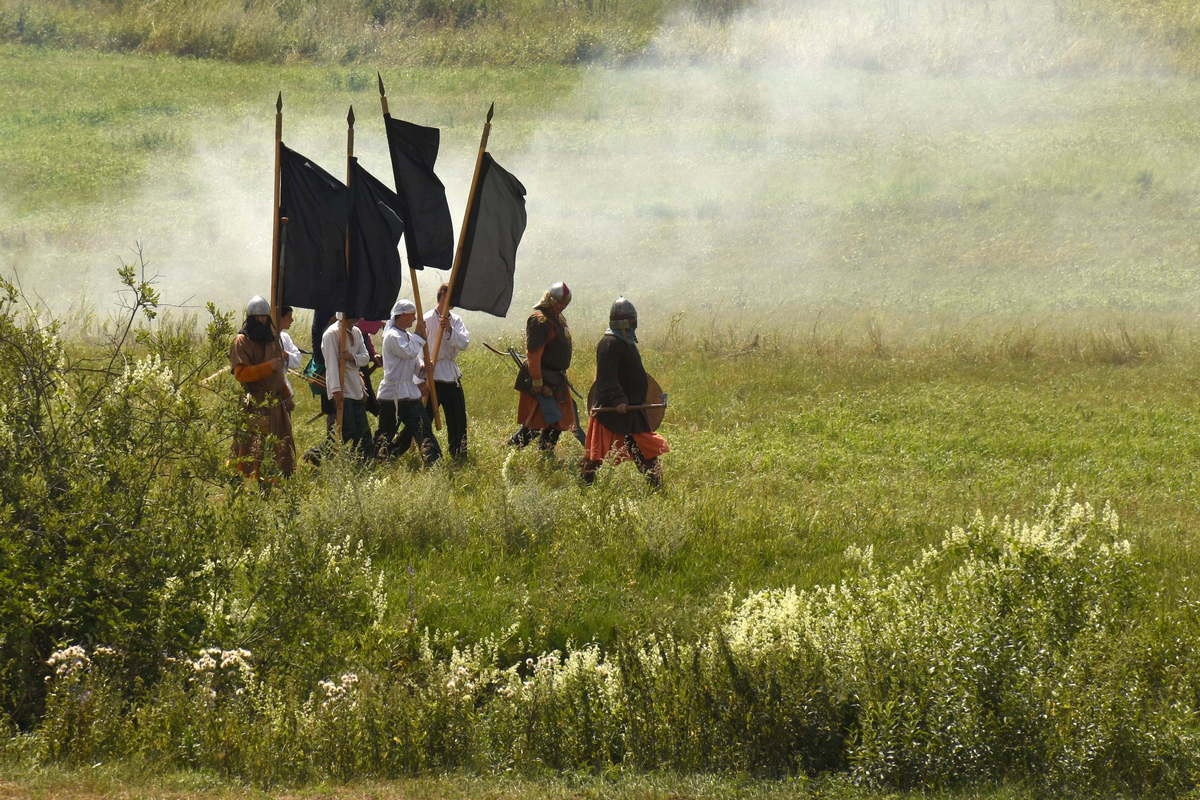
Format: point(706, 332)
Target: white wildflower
point(69, 661)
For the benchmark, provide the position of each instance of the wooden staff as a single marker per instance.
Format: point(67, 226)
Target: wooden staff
point(444, 306)
point(340, 403)
point(412, 275)
point(429, 365)
point(275, 300)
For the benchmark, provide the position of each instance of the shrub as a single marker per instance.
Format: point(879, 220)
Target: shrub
point(1010, 652)
point(104, 463)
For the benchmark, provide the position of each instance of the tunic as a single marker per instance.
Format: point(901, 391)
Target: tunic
point(446, 370)
point(401, 359)
point(330, 345)
point(548, 352)
point(620, 378)
point(267, 403)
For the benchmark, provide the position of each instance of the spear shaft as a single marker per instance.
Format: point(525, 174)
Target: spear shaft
point(639, 407)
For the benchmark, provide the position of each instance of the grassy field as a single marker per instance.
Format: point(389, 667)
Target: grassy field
point(106, 782)
point(885, 291)
point(784, 457)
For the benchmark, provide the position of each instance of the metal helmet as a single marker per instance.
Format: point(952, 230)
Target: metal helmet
point(622, 309)
point(560, 293)
point(258, 305)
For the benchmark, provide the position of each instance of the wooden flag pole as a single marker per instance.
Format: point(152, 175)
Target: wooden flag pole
point(429, 365)
point(275, 287)
point(341, 403)
point(444, 306)
point(412, 274)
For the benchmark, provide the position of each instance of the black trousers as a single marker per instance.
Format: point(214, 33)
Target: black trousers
point(400, 423)
point(547, 438)
point(454, 405)
point(355, 428)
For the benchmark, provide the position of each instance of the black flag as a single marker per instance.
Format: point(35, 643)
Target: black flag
point(317, 207)
point(428, 231)
point(375, 230)
point(489, 257)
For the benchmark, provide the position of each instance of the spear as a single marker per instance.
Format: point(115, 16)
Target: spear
point(638, 407)
point(412, 274)
point(275, 292)
point(444, 306)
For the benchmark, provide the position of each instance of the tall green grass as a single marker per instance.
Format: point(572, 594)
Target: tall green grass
point(1021, 652)
point(523, 32)
point(791, 604)
point(381, 32)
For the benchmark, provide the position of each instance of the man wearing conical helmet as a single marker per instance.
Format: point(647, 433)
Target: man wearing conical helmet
point(259, 363)
point(625, 404)
point(545, 408)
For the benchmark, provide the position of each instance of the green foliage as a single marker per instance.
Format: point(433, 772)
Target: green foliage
point(1009, 652)
point(103, 460)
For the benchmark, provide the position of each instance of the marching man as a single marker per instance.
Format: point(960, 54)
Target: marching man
point(344, 352)
point(259, 363)
point(625, 404)
point(400, 403)
point(545, 408)
point(447, 376)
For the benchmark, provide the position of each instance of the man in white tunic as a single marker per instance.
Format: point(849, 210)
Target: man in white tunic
point(344, 352)
point(402, 416)
point(447, 377)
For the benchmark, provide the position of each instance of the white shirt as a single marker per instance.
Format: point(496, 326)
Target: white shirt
point(289, 347)
point(401, 359)
point(354, 389)
point(456, 340)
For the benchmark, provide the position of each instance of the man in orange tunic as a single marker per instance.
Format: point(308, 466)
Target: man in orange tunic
point(624, 434)
point(545, 408)
point(259, 363)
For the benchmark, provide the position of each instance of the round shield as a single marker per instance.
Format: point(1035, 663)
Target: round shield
point(655, 395)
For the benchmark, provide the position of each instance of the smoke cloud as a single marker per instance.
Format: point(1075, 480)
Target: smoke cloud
point(928, 156)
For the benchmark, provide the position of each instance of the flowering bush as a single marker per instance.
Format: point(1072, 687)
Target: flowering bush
point(1011, 651)
point(105, 462)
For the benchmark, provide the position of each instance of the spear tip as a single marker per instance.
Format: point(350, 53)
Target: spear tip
point(382, 93)
point(279, 102)
point(350, 117)
point(491, 110)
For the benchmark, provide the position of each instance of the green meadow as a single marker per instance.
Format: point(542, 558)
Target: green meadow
point(927, 323)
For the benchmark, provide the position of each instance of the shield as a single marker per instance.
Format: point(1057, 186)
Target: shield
point(654, 394)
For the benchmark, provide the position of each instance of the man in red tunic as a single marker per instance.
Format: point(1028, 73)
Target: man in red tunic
point(259, 363)
point(545, 408)
point(624, 434)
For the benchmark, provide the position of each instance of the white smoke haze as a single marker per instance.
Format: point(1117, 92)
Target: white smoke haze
point(929, 157)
